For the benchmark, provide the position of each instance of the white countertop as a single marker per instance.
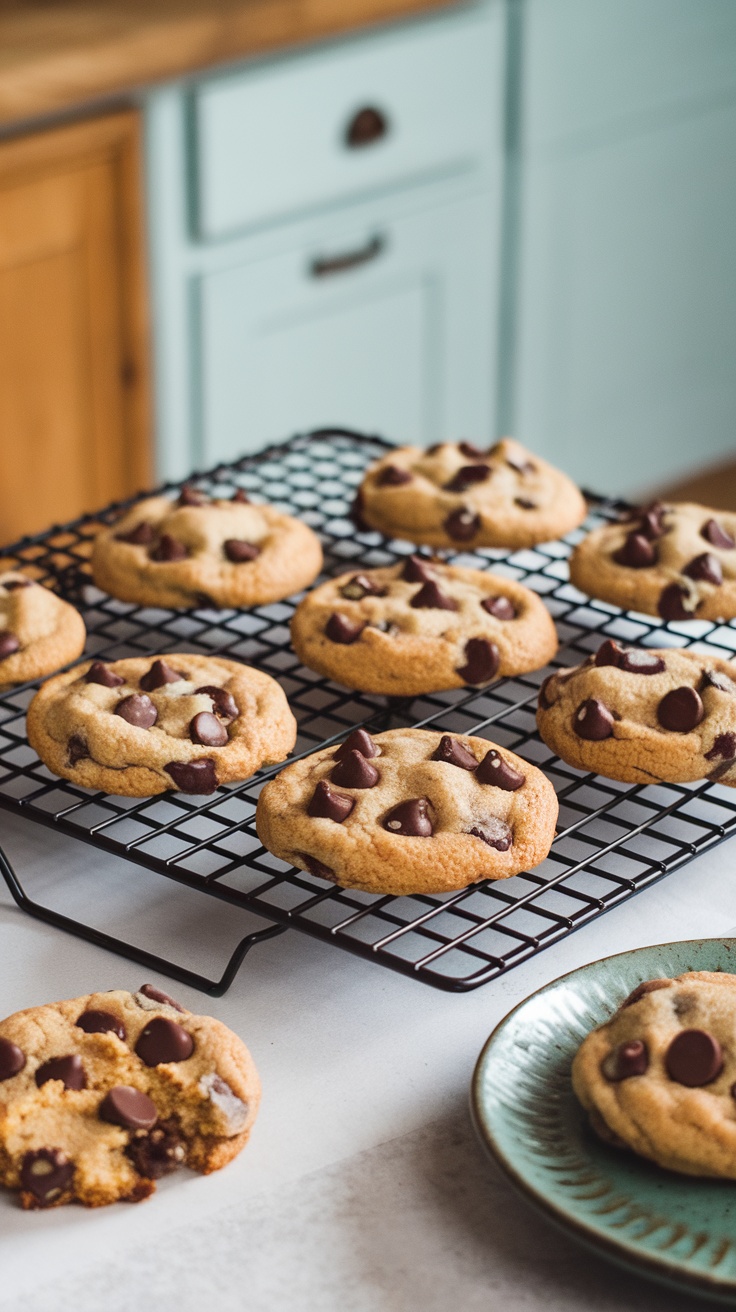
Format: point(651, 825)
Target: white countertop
point(363, 1188)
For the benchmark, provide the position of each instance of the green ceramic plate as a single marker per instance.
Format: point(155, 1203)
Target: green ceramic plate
point(678, 1230)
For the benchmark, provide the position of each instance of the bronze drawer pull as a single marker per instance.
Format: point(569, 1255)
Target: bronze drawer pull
point(323, 266)
point(367, 126)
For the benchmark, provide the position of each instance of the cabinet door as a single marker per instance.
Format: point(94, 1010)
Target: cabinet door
point(386, 327)
point(73, 385)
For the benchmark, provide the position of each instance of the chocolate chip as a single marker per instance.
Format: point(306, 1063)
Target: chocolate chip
point(163, 1040)
point(223, 701)
point(46, 1173)
point(593, 720)
point(158, 1152)
point(499, 607)
point(358, 741)
point(159, 674)
point(524, 504)
point(417, 570)
point(436, 446)
point(193, 776)
point(77, 749)
point(641, 662)
point(354, 771)
point(316, 867)
point(641, 990)
point(608, 654)
point(625, 1061)
point(651, 523)
point(716, 679)
point(636, 553)
point(157, 995)
point(359, 586)
point(466, 477)
point(706, 567)
point(392, 476)
point(340, 629)
point(496, 833)
point(140, 536)
point(98, 672)
point(169, 549)
point(12, 1059)
point(206, 729)
point(8, 644)
point(129, 1108)
point(67, 1069)
point(430, 597)
point(239, 552)
point(326, 804)
point(470, 450)
point(694, 1058)
point(138, 710)
point(191, 496)
point(240, 497)
point(482, 659)
point(545, 702)
point(680, 710)
point(14, 584)
point(493, 769)
point(671, 605)
point(453, 753)
point(724, 747)
point(101, 1022)
point(410, 819)
point(356, 513)
point(717, 535)
point(462, 524)
point(521, 466)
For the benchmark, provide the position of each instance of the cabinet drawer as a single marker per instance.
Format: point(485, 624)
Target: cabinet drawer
point(335, 123)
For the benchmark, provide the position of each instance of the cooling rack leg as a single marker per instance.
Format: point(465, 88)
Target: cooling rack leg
point(215, 988)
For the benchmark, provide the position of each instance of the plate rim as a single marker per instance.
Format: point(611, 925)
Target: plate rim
point(622, 1252)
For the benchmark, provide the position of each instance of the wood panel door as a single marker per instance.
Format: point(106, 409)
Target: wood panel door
point(74, 388)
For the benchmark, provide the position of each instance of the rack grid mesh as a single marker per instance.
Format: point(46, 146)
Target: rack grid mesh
point(613, 839)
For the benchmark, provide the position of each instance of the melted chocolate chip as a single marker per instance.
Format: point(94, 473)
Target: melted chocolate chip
point(98, 672)
point(129, 1108)
point(680, 710)
point(46, 1173)
point(417, 570)
point(631, 659)
point(240, 497)
point(169, 549)
point(14, 584)
point(641, 990)
point(340, 629)
point(521, 466)
point(8, 644)
point(191, 496)
point(470, 450)
point(326, 804)
point(706, 567)
point(593, 721)
point(494, 770)
point(159, 1152)
point(636, 553)
point(651, 524)
point(723, 748)
point(361, 585)
point(716, 679)
point(77, 749)
point(462, 524)
point(671, 604)
point(496, 833)
point(499, 607)
point(392, 476)
point(240, 552)
point(223, 701)
point(316, 867)
point(358, 741)
point(625, 1061)
point(430, 597)
point(411, 819)
point(157, 995)
point(163, 1040)
point(159, 674)
point(482, 659)
point(545, 702)
point(717, 535)
point(466, 477)
point(354, 771)
point(12, 1059)
point(138, 710)
point(101, 1022)
point(453, 753)
point(694, 1058)
point(67, 1069)
point(206, 729)
point(193, 776)
point(524, 504)
point(140, 536)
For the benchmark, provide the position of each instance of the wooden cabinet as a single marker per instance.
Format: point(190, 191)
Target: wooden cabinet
point(74, 411)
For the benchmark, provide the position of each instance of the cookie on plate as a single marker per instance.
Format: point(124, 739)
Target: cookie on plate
point(38, 631)
point(409, 811)
point(456, 495)
point(147, 724)
point(658, 1078)
point(677, 561)
point(421, 626)
point(644, 716)
point(195, 552)
point(102, 1095)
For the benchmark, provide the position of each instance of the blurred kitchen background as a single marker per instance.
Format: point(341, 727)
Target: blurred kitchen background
point(225, 221)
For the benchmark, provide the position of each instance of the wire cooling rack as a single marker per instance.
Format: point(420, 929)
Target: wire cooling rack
point(613, 839)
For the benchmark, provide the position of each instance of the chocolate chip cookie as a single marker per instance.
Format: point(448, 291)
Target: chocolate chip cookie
point(196, 551)
point(421, 626)
point(644, 715)
point(38, 631)
point(659, 1077)
point(100, 1096)
point(146, 724)
point(409, 811)
point(456, 495)
point(677, 561)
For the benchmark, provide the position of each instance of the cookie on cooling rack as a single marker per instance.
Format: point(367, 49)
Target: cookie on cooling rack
point(196, 551)
point(677, 561)
point(409, 811)
point(644, 715)
point(143, 725)
point(102, 1095)
point(659, 1076)
point(38, 631)
point(421, 627)
point(456, 495)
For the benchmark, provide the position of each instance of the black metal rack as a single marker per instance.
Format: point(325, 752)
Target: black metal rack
point(613, 839)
